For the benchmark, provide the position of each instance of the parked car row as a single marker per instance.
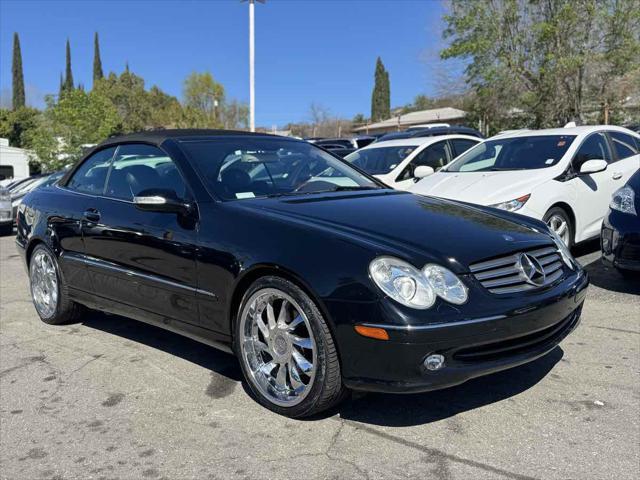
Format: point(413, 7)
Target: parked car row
point(318, 276)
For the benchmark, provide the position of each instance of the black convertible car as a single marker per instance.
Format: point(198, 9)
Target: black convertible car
point(315, 275)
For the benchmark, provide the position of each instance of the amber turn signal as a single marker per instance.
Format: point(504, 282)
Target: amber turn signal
point(372, 332)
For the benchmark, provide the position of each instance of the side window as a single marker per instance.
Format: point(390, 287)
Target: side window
point(138, 167)
point(595, 147)
point(461, 145)
point(92, 174)
point(434, 156)
point(624, 145)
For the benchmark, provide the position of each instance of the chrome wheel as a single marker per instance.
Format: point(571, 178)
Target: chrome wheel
point(560, 226)
point(44, 283)
point(278, 347)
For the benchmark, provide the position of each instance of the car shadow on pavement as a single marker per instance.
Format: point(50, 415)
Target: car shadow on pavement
point(421, 408)
point(195, 352)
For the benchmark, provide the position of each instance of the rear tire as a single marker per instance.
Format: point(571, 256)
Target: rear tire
point(558, 220)
point(48, 290)
point(286, 351)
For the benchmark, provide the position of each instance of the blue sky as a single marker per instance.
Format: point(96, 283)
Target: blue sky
point(321, 51)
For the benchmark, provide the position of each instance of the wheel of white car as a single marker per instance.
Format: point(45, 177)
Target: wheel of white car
point(559, 221)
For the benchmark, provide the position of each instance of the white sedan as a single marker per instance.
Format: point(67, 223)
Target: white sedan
point(399, 163)
point(564, 176)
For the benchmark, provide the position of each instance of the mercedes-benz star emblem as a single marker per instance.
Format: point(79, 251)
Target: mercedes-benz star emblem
point(531, 270)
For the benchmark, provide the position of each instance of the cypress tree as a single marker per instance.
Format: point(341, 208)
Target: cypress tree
point(380, 97)
point(386, 96)
point(61, 87)
point(68, 79)
point(16, 71)
point(97, 62)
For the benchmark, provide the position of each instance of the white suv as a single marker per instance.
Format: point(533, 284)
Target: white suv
point(400, 163)
point(564, 176)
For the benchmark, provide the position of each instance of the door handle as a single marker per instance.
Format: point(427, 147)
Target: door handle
point(617, 175)
point(91, 214)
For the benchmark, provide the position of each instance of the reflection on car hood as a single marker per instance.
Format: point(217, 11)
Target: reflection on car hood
point(418, 228)
point(483, 188)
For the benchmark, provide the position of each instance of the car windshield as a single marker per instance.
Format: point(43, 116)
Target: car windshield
point(379, 160)
point(516, 153)
point(249, 167)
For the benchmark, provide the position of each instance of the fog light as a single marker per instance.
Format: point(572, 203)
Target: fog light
point(434, 362)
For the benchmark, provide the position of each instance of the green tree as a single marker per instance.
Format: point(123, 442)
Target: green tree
point(203, 96)
point(79, 118)
point(550, 62)
point(97, 62)
point(68, 85)
point(17, 76)
point(15, 125)
point(128, 96)
point(381, 95)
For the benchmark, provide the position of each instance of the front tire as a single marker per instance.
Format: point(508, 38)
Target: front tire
point(558, 220)
point(48, 290)
point(286, 350)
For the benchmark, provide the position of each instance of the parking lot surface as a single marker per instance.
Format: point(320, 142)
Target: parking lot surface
point(113, 398)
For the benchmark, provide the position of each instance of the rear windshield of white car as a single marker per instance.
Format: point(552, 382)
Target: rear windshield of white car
point(517, 153)
point(378, 161)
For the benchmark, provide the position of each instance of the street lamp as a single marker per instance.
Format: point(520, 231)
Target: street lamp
point(252, 87)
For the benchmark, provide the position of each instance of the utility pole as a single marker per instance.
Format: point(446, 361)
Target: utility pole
point(252, 72)
point(252, 80)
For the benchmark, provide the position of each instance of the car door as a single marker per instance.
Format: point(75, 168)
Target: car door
point(593, 190)
point(143, 259)
point(68, 205)
point(626, 149)
point(436, 156)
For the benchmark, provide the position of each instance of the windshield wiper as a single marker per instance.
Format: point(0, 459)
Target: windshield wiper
point(339, 188)
point(498, 169)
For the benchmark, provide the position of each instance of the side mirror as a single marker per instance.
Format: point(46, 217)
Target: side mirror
point(423, 171)
point(160, 200)
point(593, 166)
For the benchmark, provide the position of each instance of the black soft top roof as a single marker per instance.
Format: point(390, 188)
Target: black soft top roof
point(158, 136)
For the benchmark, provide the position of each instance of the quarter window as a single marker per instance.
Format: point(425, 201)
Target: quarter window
point(624, 145)
point(90, 177)
point(137, 168)
point(595, 147)
point(461, 145)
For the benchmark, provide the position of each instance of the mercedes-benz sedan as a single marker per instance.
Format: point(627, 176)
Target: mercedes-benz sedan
point(319, 278)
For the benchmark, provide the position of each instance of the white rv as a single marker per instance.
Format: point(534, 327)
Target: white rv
point(14, 162)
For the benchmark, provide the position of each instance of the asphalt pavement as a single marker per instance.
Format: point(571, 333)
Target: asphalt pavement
point(111, 398)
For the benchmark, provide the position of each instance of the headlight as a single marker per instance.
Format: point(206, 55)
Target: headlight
point(414, 288)
point(623, 200)
point(446, 284)
point(5, 196)
point(567, 258)
point(512, 205)
point(402, 282)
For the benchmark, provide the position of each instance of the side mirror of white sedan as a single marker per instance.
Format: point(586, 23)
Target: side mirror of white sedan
point(593, 166)
point(423, 171)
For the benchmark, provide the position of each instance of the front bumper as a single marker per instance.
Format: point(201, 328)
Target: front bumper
point(471, 347)
point(620, 240)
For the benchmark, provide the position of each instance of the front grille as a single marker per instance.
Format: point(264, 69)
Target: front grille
point(502, 275)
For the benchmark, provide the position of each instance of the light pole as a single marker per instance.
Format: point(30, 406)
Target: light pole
point(252, 86)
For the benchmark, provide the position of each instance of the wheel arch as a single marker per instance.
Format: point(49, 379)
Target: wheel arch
point(263, 270)
point(570, 212)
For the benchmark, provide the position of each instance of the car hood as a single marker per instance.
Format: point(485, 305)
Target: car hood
point(483, 188)
point(417, 228)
